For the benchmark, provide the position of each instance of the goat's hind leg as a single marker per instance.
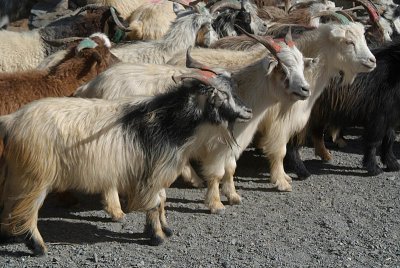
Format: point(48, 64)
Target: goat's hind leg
point(228, 185)
point(213, 199)
point(163, 218)
point(387, 156)
point(292, 161)
point(34, 240)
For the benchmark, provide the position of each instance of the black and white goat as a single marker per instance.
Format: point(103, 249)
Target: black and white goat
point(138, 147)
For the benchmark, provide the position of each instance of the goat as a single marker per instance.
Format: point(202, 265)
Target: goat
point(146, 144)
point(243, 14)
point(181, 35)
point(261, 85)
point(25, 50)
point(82, 63)
point(124, 7)
point(372, 102)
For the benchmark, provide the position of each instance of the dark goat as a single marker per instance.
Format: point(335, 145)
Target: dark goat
point(372, 101)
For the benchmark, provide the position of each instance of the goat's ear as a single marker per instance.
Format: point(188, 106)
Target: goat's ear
point(310, 62)
point(337, 33)
point(97, 57)
point(270, 65)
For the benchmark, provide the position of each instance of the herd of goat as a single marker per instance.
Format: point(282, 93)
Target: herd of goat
point(118, 116)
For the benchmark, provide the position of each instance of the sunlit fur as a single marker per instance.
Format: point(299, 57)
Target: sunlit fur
point(181, 35)
point(20, 51)
point(124, 7)
point(260, 85)
point(151, 21)
point(94, 145)
point(281, 121)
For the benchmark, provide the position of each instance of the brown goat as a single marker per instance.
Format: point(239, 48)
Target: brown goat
point(80, 65)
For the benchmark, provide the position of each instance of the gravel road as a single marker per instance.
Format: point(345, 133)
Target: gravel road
point(336, 218)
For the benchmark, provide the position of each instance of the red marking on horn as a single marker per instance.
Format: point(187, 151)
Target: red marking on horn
point(373, 13)
point(207, 74)
point(289, 44)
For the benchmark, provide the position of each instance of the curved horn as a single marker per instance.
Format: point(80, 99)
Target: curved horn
point(62, 41)
point(333, 15)
point(267, 41)
point(302, 5)
point(346, 14)
point(225, 4)
point(192, 63)
point(198, 75)
point(117, 21)
point(373, 14)
point(86, 43)
point(288, 38)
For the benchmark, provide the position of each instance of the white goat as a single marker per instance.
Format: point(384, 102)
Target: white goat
point(181, 35)
point(339, 48)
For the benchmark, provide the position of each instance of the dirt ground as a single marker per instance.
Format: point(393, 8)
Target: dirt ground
point(336, 218)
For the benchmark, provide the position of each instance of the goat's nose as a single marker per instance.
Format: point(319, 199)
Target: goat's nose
point(372, 60)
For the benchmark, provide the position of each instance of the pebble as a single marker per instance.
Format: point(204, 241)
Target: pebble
point(96, 259)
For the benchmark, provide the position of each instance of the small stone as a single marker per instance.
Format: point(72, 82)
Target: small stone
point(96, 259)
point(234, 241)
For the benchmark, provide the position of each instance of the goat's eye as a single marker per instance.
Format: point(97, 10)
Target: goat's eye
point(350, 43)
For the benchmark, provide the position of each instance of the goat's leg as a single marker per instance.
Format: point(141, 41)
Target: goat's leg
point(34, 240)
point(112, 205)
point(228, 185)
point(292, 161)
point(337, 137)
point(153, 227)
point(213, 199)
point(189, 175)
point(373, 136)
point(163, 218)
point(320, 150)
point(278, 176)
point(5, 232)
point(387, 156)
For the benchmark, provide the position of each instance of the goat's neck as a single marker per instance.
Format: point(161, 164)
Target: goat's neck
point(177, 40)
point(255, 91)
point(314, 44)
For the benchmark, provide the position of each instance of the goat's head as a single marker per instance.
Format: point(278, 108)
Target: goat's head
point(258, 25)
point(215, 93)
point(349, 50)
point(286, 69)
point(93, 53)
point(206, 36)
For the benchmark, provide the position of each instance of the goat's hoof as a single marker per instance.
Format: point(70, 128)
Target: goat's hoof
point(118, 217)
point(393, 166)
point(167, 231)
point(283, 186)
point(37, 249)
point(375, 171)
point(156, 240)
point(234, 199)
point(303, 174)
point(198, 184)
point(218, 210)
point(341, 143)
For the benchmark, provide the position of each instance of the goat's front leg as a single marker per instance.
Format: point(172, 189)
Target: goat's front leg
point(228, 185)
point(319, 145)
point(213, 199)
point(112, 205)
point(373, 136)
point(278, 176)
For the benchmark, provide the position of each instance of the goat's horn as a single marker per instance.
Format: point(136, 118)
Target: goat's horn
point(202, 76)
point(346, 14)
point(225, 4)
point(267, 41)
point(192, 63)
point(338, 17)
point(288, 38)
point(86, 43)
point(117, 21)
point(62, 41)
point(302, 5)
